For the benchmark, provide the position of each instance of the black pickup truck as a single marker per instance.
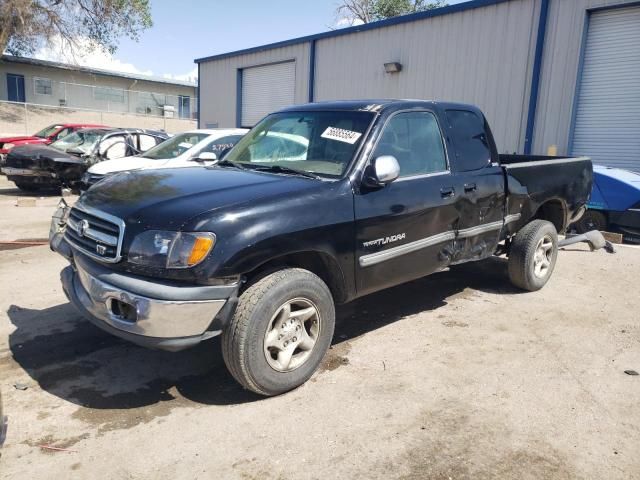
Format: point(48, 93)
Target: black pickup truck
point(317, 205)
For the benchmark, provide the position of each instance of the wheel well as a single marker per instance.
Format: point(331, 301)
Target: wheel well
point(553, 211)
point(321, 264)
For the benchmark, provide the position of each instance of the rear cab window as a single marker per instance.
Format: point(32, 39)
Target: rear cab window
point(471, 139)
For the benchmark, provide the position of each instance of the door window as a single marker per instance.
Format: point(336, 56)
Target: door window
point(145, 142)
point(62, 133)
point(414, 139)
point(113, 147)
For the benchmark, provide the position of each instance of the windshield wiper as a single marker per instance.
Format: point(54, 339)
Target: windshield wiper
point(227, 163)
point(282, 169)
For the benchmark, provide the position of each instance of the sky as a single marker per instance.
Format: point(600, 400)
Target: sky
point(187, 29)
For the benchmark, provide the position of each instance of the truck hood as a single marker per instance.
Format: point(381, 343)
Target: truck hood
point(125, 163)
point(44, 152)
point(168, 198)
point(21, 139)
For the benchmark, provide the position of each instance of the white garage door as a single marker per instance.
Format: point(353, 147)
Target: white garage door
point(265, 89)
point(607, 126)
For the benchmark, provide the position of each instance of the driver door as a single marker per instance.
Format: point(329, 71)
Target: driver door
point(405, 230)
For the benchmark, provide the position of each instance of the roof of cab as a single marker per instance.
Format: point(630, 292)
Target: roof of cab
point(375, 105)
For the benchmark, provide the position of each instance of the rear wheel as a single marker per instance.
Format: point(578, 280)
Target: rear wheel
point(592, 220)
point(280, 332)
point(533, 254)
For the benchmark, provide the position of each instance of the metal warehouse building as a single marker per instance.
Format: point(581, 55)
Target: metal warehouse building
point(549, 74)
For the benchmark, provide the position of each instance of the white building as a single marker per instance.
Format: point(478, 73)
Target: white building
point(551, 75)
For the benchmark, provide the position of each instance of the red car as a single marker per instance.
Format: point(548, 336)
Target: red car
point(45, 136)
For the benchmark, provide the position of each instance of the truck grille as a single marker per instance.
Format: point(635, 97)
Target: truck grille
point(95, 234)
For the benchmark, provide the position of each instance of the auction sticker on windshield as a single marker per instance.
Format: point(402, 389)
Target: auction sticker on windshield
point(341, 135)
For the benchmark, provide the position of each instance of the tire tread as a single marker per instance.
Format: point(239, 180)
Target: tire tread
point(235, 335)
point(522, 247)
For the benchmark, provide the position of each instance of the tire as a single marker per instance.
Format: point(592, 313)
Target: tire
point(592, 220)
point(533, 254)
point(256, 343)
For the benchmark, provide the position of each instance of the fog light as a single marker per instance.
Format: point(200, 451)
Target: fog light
point(123, 311)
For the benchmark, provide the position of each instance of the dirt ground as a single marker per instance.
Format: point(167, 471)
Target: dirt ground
point(454, 376)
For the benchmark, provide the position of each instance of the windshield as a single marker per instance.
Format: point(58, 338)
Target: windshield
point(46, 132)
point(83, 141)
point(322, 143)
point(174, 146)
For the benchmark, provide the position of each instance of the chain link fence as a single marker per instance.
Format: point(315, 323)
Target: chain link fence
point(113, 99)
point(27, 118)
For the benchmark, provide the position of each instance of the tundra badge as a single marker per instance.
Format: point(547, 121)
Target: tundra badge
point(385, 240)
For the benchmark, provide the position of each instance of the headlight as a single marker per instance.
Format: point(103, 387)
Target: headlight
point(156, 248)
point(8, 146)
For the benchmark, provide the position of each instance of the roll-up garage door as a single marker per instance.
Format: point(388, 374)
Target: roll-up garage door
point(607, 122)
point(266, 88)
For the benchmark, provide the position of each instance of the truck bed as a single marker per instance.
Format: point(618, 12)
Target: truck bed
point(512, 159)
point(534, 180)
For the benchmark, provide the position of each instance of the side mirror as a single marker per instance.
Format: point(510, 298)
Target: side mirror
point(383, 170)
point(205, 157)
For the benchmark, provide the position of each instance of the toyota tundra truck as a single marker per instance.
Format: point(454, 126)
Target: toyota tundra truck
point(317, 205)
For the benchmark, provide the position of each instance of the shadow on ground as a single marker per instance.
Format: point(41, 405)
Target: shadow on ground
point(70, 358)
point(14, 191)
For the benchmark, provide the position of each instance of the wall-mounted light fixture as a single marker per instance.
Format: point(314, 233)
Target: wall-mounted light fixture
point(393, 67)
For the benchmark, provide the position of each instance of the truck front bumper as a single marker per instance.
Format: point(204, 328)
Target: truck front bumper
point(150, 314)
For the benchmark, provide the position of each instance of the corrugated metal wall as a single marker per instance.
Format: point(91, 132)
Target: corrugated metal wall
point(481, 56)
point(560, 71)
point(218, 81)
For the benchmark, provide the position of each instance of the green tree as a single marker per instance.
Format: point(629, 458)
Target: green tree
point(365, 11)
point(26, 25)
point(392, 8)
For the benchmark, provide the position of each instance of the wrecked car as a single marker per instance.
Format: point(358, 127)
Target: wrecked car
point(45, 136)
point(260, 247)
point(62, 164)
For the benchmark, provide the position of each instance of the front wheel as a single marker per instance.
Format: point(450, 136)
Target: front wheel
point(532, 255)
point(280, 332)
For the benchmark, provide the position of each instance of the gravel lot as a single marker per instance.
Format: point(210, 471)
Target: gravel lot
point(453, 376)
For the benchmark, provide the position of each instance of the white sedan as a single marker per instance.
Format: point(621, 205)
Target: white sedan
point(187, 149)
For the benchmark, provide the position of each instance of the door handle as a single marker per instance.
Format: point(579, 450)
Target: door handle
point(470, 187)
point(447, 192)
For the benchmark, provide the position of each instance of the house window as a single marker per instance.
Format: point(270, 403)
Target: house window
point(109, 94)
point(42, 86)
point(150, 103)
